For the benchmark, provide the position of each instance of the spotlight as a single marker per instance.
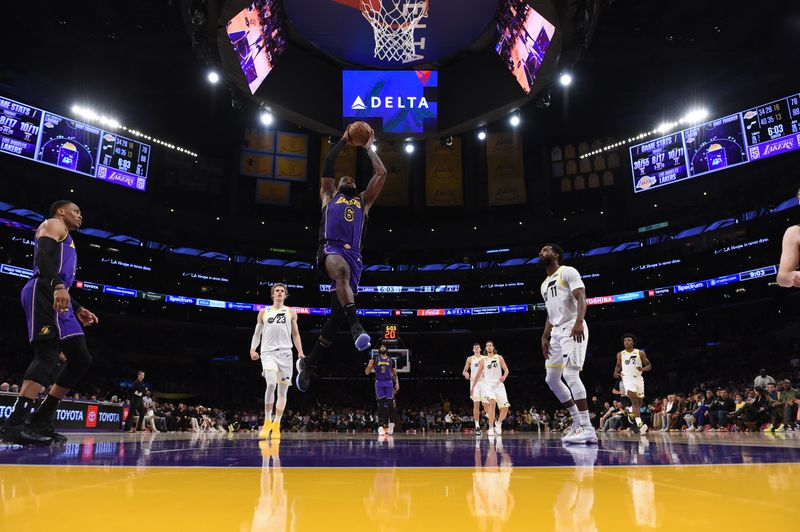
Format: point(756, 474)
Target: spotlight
point(265, 117)
point(446, 141)
point(514, 120)
point(213, 77)
point(482, 134)
point(565, 79)
point(695, 115)
point(374, 146)
point(409, 147)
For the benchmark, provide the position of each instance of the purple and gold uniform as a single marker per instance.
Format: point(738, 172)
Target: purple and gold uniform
point(384, 382)
point(44, 322)
point(341, 232)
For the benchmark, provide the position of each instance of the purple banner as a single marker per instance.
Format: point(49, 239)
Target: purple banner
point(121, 178)
point(774, 147)
point(19, 128)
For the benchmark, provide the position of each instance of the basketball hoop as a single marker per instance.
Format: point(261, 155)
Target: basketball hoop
point(394, 27)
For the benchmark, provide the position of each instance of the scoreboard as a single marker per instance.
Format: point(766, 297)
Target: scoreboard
point(51, 139)
point(740, 138)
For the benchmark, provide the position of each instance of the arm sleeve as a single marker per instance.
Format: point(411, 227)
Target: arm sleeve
point(47, 260)
point(257, 335)
point(572, 278)
point(329, 170)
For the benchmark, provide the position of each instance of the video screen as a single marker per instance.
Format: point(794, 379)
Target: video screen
point(523, 39)
point(70, 144)
point(397, 101)
point(258, 38)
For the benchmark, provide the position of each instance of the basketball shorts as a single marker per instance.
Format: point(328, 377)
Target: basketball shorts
point(351, 257)
point(564, 351)
point(477, 393)
point(495, 391)
point(280, 363)
point(633, 384)
point(384, 389)
point(44, 322)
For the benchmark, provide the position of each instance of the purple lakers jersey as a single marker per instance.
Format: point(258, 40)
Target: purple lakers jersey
point(67, 261)
point(383, 368)
point(343, 222)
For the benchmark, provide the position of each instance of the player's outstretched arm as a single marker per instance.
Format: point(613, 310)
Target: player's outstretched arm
point(375, 185)
point(788, 276)
point(327, 182)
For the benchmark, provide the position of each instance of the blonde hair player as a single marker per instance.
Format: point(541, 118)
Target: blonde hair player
point(276, 331)
point(564, 341)
point(470, 372)
point(631, 363)
point(492, 373)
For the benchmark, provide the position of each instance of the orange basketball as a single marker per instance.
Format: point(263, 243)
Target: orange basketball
point(359, 133)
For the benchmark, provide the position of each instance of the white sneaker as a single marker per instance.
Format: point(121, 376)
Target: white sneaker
point(570, 431)
point(381, 431)
point(490, 432)
point(498, 428)
point(643, 428)
point(582, 435)
point(391, 429)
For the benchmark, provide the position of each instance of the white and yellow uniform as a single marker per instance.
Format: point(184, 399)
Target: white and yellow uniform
point(562, 311)
point(474, 364)
point(632, 380)
point(492, 388)
point(276, 344)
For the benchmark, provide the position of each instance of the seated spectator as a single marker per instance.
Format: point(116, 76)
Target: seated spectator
point(655, 413)
point(720, 409)
point(5, 387)
point(788, 399)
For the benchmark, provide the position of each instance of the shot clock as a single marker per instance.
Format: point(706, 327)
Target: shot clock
point(391, 334)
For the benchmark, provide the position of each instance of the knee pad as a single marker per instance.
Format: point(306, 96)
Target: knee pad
point(553, 380)
point(78, 361)
point(44, 366)
point(573, 378)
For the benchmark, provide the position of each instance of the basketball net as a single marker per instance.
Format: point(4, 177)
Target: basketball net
point(394, 27)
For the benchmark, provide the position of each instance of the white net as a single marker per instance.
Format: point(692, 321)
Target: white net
point(394, 27)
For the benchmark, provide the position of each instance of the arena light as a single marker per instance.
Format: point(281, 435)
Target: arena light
point(514, 120)
point(565, 79)
point(409, 147)
point(374, 146)
point(694, 116)
point(107, 122)
point(482, 134)
point(212, 77)
point(266, 118)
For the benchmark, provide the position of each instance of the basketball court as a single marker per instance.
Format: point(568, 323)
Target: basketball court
point(403, 482)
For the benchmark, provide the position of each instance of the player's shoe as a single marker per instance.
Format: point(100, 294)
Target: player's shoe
point(305, 375)
point(263, 434)
point(477, 433)
point(276, 430)
point(23, 435)
point(391, 429)
point(643, 428)
point(570, 431)
point(490, 432)
point(498, 428)
point(360, 338)
point(381, 430)
point(582, 435)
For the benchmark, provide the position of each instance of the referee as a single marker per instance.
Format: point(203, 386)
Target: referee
point(137, 403)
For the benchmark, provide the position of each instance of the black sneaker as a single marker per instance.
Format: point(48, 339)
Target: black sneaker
point(53, 435)
point(23, 435)
point(360, 338)
point(304, 375)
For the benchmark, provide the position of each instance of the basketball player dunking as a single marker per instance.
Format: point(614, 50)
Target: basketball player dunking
point(564, 341)
point(470, 372)
point(386, 385)
point(788, 276)
point(54, 326)
point(631, 363)
point(344, 219)
point(276, 330)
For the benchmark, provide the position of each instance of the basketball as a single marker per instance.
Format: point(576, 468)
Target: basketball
point(359, 133)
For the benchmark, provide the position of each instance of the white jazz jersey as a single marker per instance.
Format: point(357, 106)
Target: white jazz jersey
point(277, 332)
point(631, 364)
point(557, 294)
point(491, 369)
point(474, 363)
